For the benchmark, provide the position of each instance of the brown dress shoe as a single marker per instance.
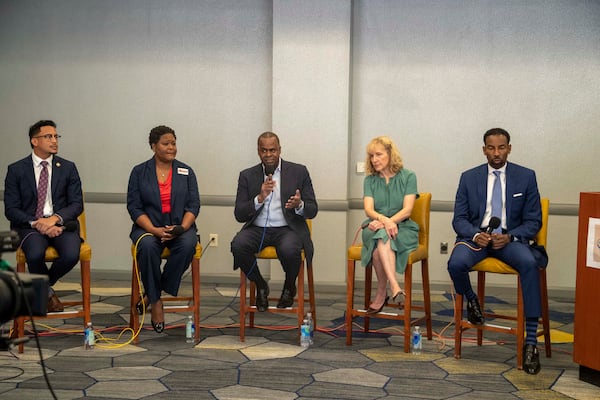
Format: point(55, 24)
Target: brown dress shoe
point(54, 304)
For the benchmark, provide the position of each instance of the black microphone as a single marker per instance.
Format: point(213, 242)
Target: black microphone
point(494, 223)
point(270, 169)
point(70, 226)
point(177, 230)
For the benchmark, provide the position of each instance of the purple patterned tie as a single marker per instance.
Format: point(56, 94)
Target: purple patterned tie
point(42, 190)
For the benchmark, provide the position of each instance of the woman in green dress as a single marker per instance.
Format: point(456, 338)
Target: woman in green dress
point(389, 235)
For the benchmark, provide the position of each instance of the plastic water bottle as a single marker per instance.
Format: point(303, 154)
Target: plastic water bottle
point(305, 334)
point(417, 344)
point(189, 330)
point(89, 338)
point(311, 327)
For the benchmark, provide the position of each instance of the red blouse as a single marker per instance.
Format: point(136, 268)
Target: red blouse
point(165, 193)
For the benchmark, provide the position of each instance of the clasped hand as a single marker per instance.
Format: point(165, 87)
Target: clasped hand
point(165, 233)
point(495, 240)
point(47, 226)
point(390, 227)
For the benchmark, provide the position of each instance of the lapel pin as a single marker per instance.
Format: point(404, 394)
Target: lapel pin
point(57, 164)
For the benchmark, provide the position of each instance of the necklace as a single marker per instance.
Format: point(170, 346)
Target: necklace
point(163, 173)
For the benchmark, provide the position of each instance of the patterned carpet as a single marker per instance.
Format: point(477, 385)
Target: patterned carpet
point(271, 365)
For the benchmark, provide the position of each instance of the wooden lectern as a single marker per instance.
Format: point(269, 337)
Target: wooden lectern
point(586, 350)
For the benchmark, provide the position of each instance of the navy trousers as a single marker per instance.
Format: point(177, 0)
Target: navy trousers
point(516, 254)
point(34, 246)
point(149, 249)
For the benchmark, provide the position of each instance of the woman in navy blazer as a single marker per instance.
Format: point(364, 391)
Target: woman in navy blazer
point(163, 202)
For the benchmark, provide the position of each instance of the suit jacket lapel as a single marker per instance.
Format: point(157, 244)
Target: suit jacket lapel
point(56, 175)
point(30, 175)
point(508, 190)
point(482, 178)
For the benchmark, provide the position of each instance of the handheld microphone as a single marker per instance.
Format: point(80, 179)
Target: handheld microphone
point(270, 169)
point(177, 230)
point(70, 226)
point(494, 223)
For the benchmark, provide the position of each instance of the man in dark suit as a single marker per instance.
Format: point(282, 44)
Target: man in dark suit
point(510, 193)
point(42, 193)
point(274, 199)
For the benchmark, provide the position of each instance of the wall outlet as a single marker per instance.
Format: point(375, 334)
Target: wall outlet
point(213, 240)
point(443, 247)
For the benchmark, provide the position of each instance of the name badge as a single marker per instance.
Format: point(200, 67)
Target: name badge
point(183, 171)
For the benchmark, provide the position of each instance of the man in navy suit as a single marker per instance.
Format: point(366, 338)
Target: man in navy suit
point(40, 222)
point(274, 199)
point(520, 217)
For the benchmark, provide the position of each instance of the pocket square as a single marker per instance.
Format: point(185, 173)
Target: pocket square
point(517, 194)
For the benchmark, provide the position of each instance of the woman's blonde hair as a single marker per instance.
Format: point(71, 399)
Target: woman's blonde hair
point(389, 146)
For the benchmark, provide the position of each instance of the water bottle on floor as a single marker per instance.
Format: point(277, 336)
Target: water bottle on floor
point(305, 334)
point(89, 338)
point(417, 344)
point(311, 327)
point(189, 330)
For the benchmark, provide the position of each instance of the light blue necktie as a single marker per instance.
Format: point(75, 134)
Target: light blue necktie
point(497, 200)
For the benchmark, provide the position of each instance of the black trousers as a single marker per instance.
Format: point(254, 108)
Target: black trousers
point(248, 242)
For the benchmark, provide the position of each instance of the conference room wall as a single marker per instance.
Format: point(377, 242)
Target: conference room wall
point(434, 76)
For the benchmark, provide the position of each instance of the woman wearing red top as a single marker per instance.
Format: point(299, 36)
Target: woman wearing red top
point(163, 202)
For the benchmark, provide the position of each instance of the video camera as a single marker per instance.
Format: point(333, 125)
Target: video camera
point(19, 292)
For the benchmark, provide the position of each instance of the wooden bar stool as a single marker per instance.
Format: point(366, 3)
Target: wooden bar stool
point(420, 214)
point(248, 301)
point(193, 301)
point(75, 308)
point(495, 266)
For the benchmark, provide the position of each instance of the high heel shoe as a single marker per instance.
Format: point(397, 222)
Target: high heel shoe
point(142, 304)
point(400, 298)
point(371, 310)
point(158, 326)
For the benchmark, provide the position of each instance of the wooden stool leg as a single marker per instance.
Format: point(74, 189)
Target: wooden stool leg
point(311, 293)
point(481, 296)
point(407, 307)
point(349, 300)
point(134, 321)
point(300, 299)
point(368, 282)
point(458, 311)
point(545, 314)
point(85, 291)
point(196, 297)
point(520, 325)
point(242, 306)
point(426, 296)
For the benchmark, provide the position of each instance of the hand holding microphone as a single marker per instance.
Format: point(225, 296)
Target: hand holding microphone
point(494, 224)
point(268, 185)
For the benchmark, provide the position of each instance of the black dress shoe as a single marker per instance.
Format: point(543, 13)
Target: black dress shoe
point(262, 299)
point(474, 314)
point(287, 298)
point(531, 359)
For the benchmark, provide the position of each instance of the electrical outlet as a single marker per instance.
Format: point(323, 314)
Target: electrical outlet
point(213, 240)
point(443, 247)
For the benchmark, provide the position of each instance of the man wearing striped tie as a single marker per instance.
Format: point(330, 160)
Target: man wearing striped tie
point(42, 196)
point(497, 213)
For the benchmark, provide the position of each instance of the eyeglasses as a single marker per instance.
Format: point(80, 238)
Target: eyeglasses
point(48, 136)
